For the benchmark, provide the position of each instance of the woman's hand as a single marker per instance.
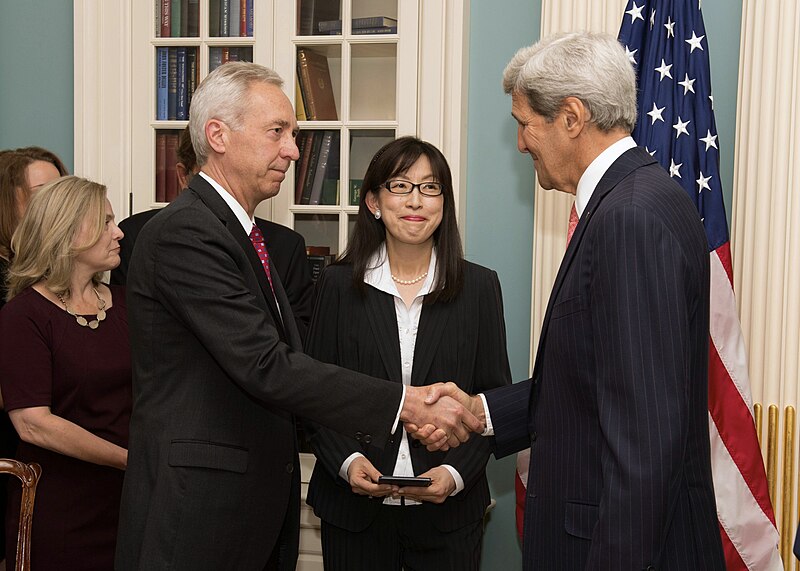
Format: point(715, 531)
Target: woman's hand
point(363, 479)
point(442, 485)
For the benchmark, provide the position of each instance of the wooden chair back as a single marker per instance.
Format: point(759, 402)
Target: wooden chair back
point(28, 475)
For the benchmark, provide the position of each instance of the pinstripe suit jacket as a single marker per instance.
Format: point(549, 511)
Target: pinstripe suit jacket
point(462, 340)
point(616, 410)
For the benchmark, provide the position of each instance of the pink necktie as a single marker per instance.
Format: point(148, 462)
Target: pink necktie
point(257, 238)
point(573, 222)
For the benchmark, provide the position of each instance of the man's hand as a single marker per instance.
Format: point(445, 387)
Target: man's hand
point(434, 437)
point(439, 406)
point(363, 479)
point(442, 485)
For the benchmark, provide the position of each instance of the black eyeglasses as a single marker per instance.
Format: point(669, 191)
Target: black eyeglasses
point(399, 186)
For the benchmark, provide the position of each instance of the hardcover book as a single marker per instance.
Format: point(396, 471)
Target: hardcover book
point(182, 96)
point(170, 171)
point(162, 78)
point(161, 165)
point(321, 167)
point(172, 85)
point(315, 85)
point(304, 143)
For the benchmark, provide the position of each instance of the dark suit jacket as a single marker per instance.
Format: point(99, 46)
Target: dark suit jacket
point(286, 247)
point(212, 464)
point(616, 410)
point(463, 340)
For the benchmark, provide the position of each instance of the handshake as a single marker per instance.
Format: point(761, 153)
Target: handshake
point(441, 416)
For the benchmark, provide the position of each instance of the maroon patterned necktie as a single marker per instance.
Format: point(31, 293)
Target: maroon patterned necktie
point(573, 222)
point(257, 238)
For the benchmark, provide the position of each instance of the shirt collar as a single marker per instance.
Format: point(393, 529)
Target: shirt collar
point(379, 275)
point(595, 171)
point(233, 204)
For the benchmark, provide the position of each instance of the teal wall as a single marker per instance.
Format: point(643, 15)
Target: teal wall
point(36, 76)
point(36, 106)
point(499, 226)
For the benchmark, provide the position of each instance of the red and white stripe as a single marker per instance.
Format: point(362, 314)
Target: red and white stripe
point(746, 517)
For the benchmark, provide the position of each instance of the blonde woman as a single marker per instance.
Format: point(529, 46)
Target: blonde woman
point(65, 373)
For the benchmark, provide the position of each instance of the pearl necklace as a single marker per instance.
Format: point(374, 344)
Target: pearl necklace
point(94, 323)
point(410, 282)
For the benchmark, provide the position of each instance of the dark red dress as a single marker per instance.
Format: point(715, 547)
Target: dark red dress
point(84, 376)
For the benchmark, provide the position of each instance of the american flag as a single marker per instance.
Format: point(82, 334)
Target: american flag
point(666, 42)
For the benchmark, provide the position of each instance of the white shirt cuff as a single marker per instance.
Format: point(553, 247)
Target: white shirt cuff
point(399, 410)
point(456, 478)
point(346, 465)
point(488, 429)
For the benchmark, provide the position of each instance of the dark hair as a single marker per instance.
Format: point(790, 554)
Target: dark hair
point(12, 176)
point(392, 159)
point(186, 151)
point(40, 154)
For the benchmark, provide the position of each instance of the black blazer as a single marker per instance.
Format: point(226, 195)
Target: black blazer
point(463, 340)
point(217, 377)
point(286, 247)
point(616, 410)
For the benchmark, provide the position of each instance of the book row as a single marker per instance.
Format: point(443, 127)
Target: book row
point(166, 159)
point(177, 18)
point(181, 18)
point(372, 24)
point(176, 81)
point(230, 18)
point(218, 56)
point(317, 169)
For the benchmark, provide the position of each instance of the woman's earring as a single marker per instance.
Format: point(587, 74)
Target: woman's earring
point(377, 214)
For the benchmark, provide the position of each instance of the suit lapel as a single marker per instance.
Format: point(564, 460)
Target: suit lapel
point(214, 202)
point(432, 324)
point(629, 161)
point(383, 321)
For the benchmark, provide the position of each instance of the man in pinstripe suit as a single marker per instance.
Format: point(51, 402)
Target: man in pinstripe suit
point(615, 411)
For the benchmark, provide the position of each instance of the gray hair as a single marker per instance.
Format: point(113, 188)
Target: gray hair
point(590, 66)
point(223, 95)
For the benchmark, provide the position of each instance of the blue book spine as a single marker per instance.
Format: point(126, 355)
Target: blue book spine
point(249, 18)
point(162, 97)
point(172, 85)
point(182, 102)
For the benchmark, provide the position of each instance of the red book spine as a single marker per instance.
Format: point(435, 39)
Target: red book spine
point(243, 18)
point(166, 21)
point(161, 164)
point(171, 172)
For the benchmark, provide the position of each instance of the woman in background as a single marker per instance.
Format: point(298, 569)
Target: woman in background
point(404, 305)
point(65, 374)
point(22, 172)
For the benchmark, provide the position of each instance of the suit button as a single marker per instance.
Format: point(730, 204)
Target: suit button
point(415, 443)
point(289, 468)
point(649, 568)
point(533, 437)
point(367, 438)
point(359, 435)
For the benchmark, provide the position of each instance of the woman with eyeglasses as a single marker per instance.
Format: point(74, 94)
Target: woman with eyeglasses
point(404, 305)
